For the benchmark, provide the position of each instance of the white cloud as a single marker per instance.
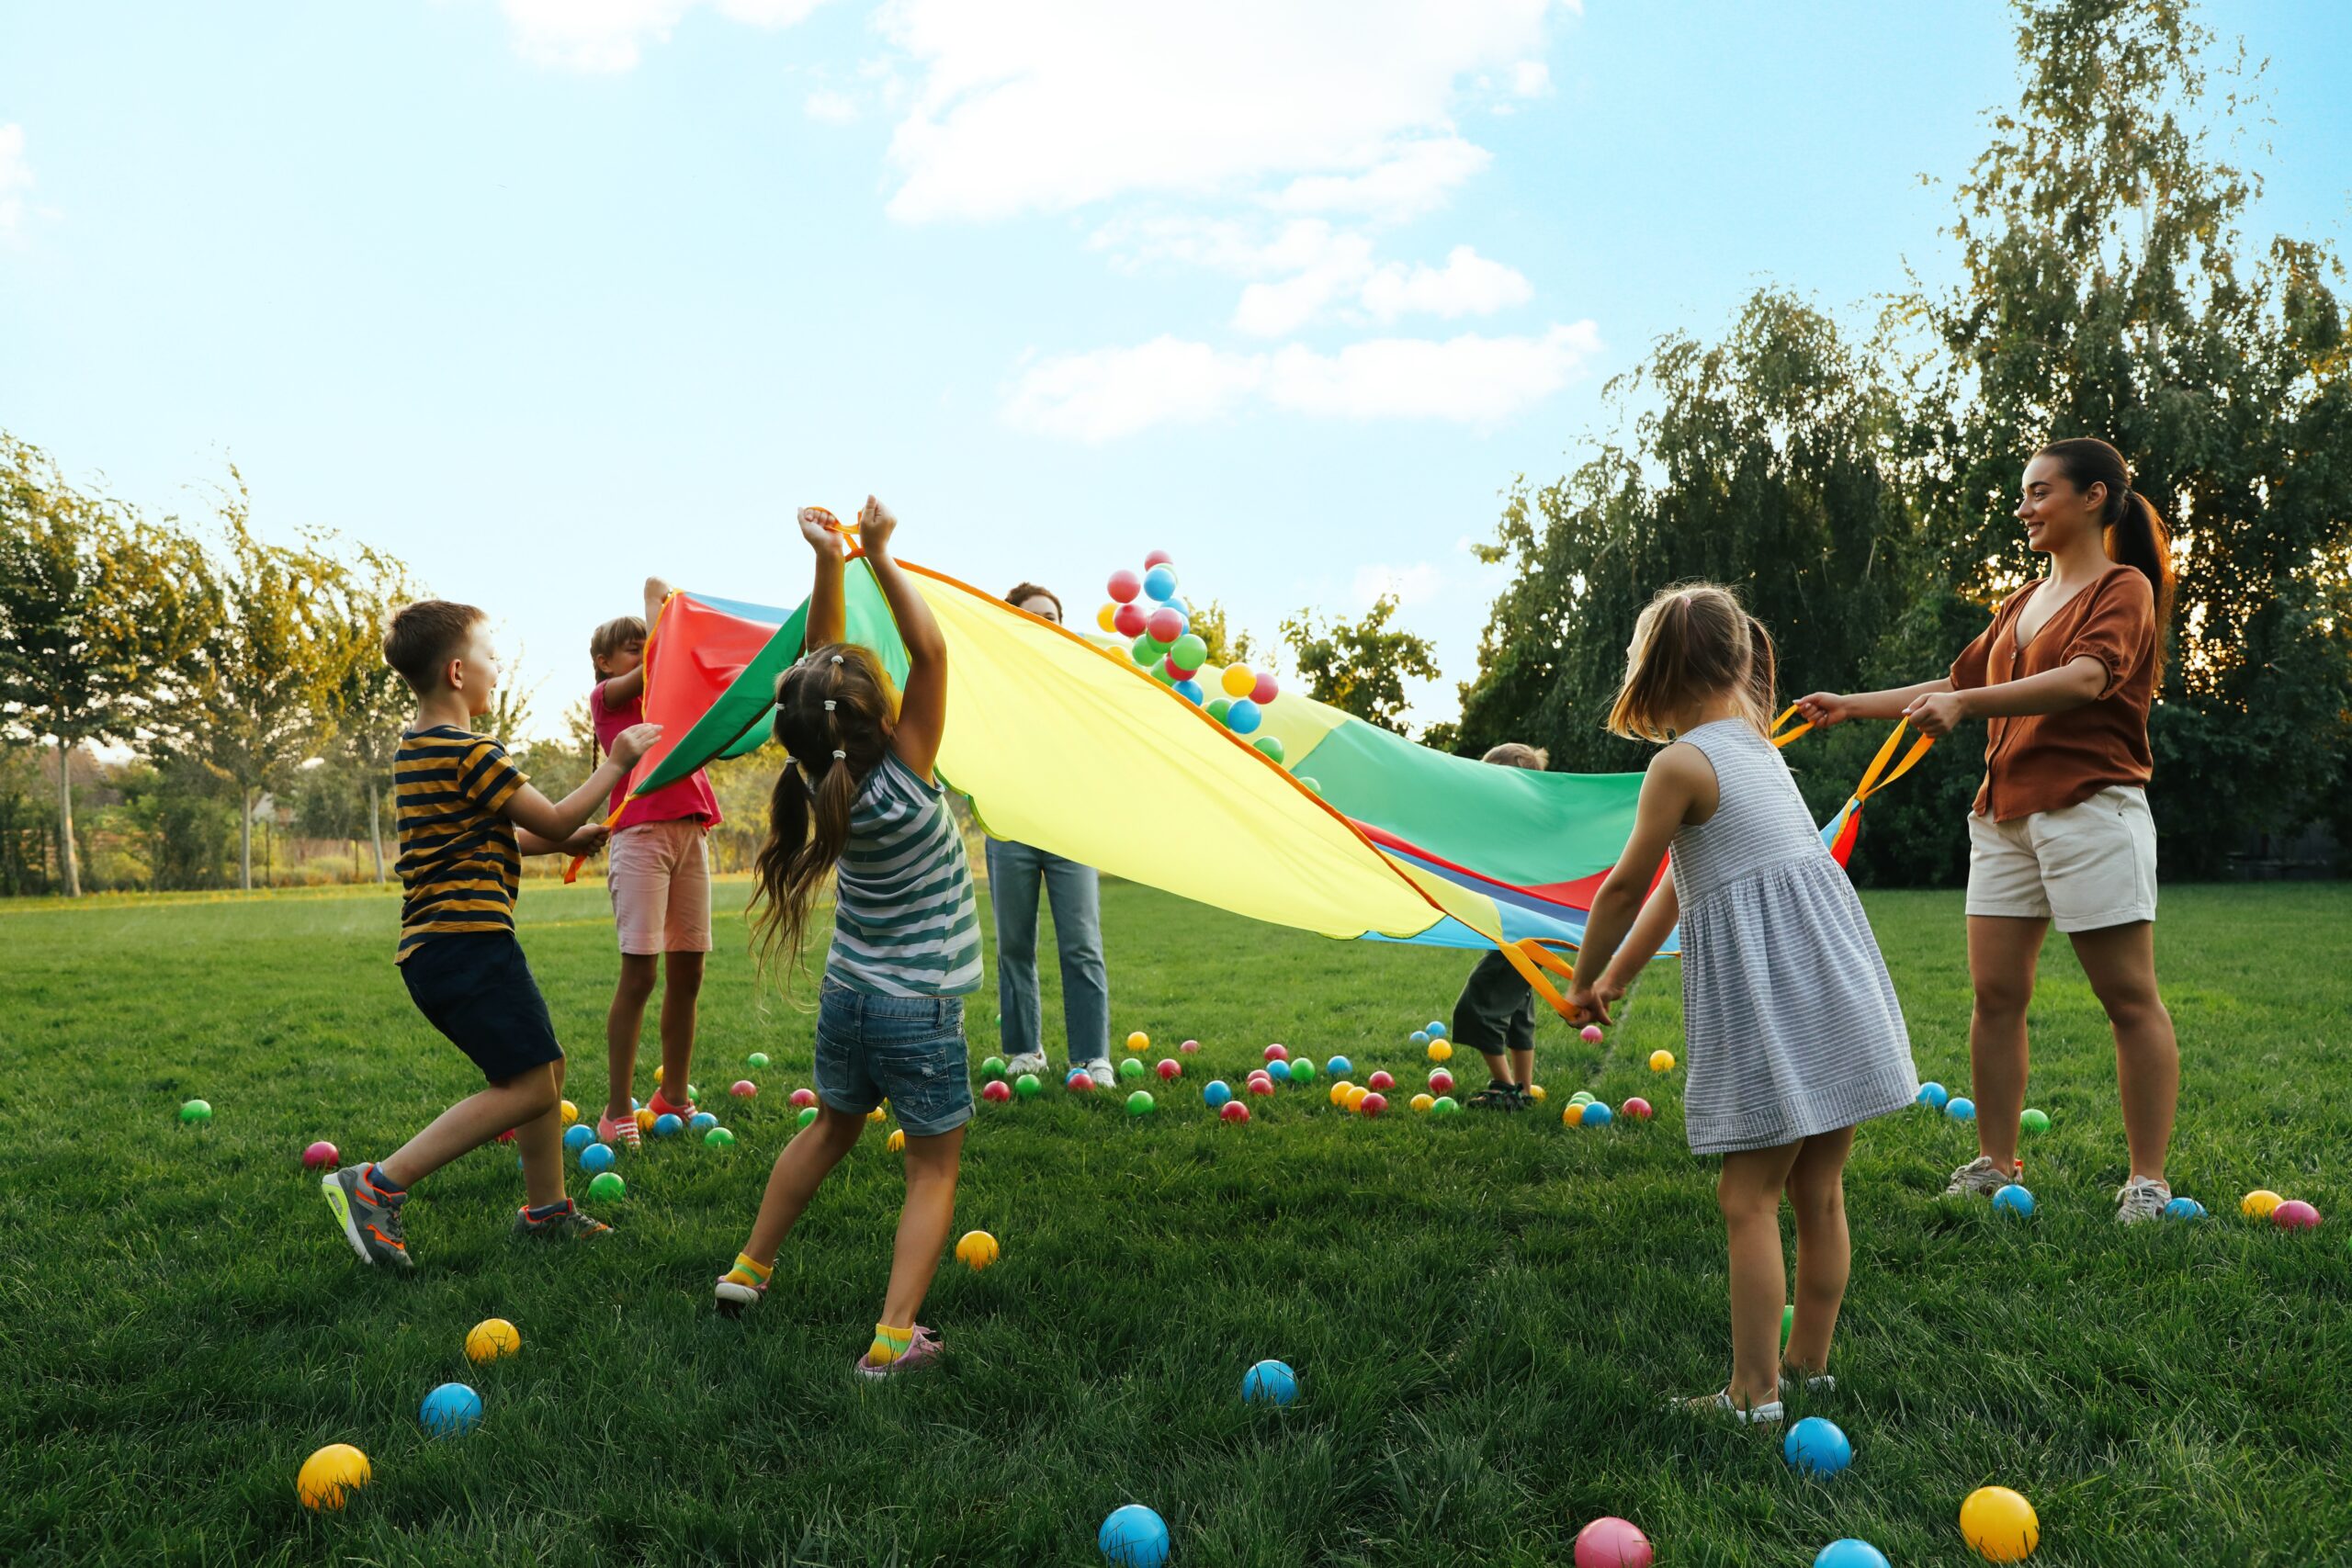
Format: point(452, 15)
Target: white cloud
point(1530, 79)
point(1048, 105)
point(832, 107)
point(1414, 584)
point(1330, 266)
point(610, 35)
point(16, 177)
point(1110, 392)
point(1468, 284)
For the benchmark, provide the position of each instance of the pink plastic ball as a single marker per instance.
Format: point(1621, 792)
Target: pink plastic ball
point(996, 1091)
point(1165, 624)
point(743, 1089)
point(1190, 1048)
point(1638, 1109)
point(1128, 620)
point(803, 1097)
point(1168, 1068)
point(1278, 1053)
point(1591, 1032)
point(2294, 1215)
point(1381, 1081)
point(1234, 1111)
point(1373, 1104)
point(1440, 1081)
point(507, 1136)
point(320, 1156)
point(1262, 1086)
point(1125, 585)
point(1612, 1542)
point(1158, 558)
point(1265, 690)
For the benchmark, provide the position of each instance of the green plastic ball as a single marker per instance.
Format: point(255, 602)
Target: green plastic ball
point(718, 1138)
point(1311, 782)
point(1788, 1321)
point(1026, 1086)
point(1271, 745)
point(2034, 1121)
point(1219, 707)
point(1581, 1097)
point(608, 1186)
point(1446, 1105)
point(808, 1115)
point(1302, 1069)
point(756, 1059)
point(1131, 1067)
point(1139, 1103)
point(993, 1066)
point(196, 1111)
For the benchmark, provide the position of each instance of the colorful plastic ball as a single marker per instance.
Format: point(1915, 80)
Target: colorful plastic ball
point(1124, 586)
point(1816, 1446)
point(1233, 1111)
point(1190, 651)
point(1128, 620)
point(996, 1091)
point(1168, 1069)
point(1309, 782)
point(1446, 1105)
point(1356, 1095)
point(897, 1142)
point(1107, 617)
point(491, 1338)
point(2014, 1199)
point(571, 1112)
point(718, 1137)
point(1581, 1097)
point(1269, 1383)
point(330, 1476)
point(1133, 1537)
point(1191, 692)
point(1271, 745)
point(1265, 689)
point(803, 1097)
point(1598, 1115)
point(1159, 582)
point(701, 1122)
point(1216, 1092)
point(1164, 626)
point(804, 1116)
point(2034, 1121)
point(201, 1111)
point(1440, 1051)
point(1960, 1108)
point(1078, 1081)
point(1131, 1067)
point(1146, 652)
point(1849, 1554)
point(1440, 1081)
point(1435, 1028)
point(1278, 1071)
point(1380, 1082)
point(1277, 1052)
point(2259, 1204)
point(1339, 1087)
point(667, 1125)
point(1661, 1061)
point(1190, 1048)
point(449, 1410)
point(977, 1250)
point(323, 1156)
point(1420, 1037)
point(1138, 1041)
point(1338, 1067)
point(608, 1186)
point(1371, 1104)
point(1999, 1524)
point(2184, 1209)
point(756, 1059)
point(644, 1122)
point(2294, 1215)
point(596, 1158)
point(1423, 1101)
point(1026, 1086)
point(1140, 1104)
point(1214, 707)
point(743, 1089)
point(576, 1137)
point(1158, 558)
point(1612, 1542)
point(1590, 1034)
point(1237, 681)
point(1788, 1323)
point(1261, 1085)
point(1932, 1095)
point(1637, 1109)
point(1302, 1069)
point(1243, 717)
point(993, 1068)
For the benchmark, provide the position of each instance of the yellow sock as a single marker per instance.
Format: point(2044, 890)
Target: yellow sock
point(746, 1272)
point(890, 1344)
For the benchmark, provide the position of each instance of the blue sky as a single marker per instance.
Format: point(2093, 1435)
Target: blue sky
point(547, 294)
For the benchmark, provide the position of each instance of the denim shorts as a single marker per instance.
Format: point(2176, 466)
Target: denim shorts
point(908, 1049)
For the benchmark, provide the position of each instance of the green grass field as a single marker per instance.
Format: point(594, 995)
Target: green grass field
point(1486, 1314)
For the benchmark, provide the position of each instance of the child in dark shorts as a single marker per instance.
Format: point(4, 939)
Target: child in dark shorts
point(466, 817)
point(1494, 1014)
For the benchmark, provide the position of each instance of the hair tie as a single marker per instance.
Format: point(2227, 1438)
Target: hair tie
point(829, 704)
point(840, 756)
point(837, 659)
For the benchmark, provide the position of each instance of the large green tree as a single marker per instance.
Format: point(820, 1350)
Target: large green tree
point(101, 616)
point(1360, 666)
point(368, 700)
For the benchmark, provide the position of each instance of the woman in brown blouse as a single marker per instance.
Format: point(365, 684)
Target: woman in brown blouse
point(2062, 679)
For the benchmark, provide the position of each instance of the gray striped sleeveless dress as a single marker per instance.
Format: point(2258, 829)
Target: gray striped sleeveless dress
point(1791, 1024)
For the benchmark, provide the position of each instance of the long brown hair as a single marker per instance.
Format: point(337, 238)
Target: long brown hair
point(2133, 529)
point(834, 714)
point(1691, 641)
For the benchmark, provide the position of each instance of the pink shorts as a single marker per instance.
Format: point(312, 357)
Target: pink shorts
point(660, 883)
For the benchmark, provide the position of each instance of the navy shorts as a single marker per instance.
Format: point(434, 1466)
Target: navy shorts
point(908, 1049)
point(475, 987)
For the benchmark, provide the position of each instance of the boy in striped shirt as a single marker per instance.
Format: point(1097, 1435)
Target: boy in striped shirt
point(466, 815)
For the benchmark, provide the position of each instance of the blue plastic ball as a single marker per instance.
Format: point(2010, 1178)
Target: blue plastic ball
point(701, 1122)
point(1278, 1071)
point(2184, 1209)
point(1849, 1554)
point(2013, 1199)
point(1189, 690)
point(1815, 1445)
point(1932, 1095)
point(1437, 1029)
point(1217, 1091)
point(1338, 1067)
point(1133, 1537)
point(450, 1410)
point(577, 1137)
point(1420, 1037)
point(1160, 582)
point(596, 1158)
point(1270, 1382)
point(1598, 1115)
point(667, 1125)
point(1243, 717)
point(1961, 1109)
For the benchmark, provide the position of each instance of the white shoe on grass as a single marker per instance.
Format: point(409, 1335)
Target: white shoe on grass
point(1101, 1072)
point(1027, 1062)
point(1720, 1404)
point(2141, 1200)
point(1815, 1386)
point(1981, 1177)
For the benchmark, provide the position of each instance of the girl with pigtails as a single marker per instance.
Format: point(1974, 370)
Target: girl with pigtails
point(857, 800)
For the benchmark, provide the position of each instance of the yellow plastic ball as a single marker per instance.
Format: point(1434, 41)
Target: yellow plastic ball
point(897, 1141)
point(1107, 617)
point(1356, 1096)
point(330, 1476)
point(571, 1113)
point(1535, 1093)
point(491, 1338)
point(1999, 1524)
point(1138, 1041)
point(1422, 1102)
point(656, 1075)
point(1571, 1114)
point(877, 1114)
point(1339, 1087)
point(1237, 681)
point(2257, 1204)
point(645, 1119)
point(1439, 1051)
point(977, 1250)
point(1661, 1061)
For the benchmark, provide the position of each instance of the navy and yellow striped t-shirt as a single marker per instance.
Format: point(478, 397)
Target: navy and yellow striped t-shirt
point(458, 860)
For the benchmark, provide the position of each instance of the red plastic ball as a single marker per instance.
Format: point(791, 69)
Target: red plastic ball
point(1380, 1081)
point(996, 1090)
point(1079, 1082)
point(1125, 585)
point(507, 1136)
point(1612, 1542)
point(743, 1089)
point(1158, 558)
point(1165, 624)
point(1265, 690)
point(1190, 1048)
point(1234, 1111)
point(804, 1098)
point(1128, 620)
point(1440, 1081)
point(2294, 1215)
point(1278, 1053)
point(1262, 1086)
point(1373, 1104)
point(320, 1156)
point(1168, 1068)
point(1638, 1109)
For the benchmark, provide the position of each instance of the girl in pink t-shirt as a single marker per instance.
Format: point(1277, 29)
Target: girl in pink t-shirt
point(659, 877)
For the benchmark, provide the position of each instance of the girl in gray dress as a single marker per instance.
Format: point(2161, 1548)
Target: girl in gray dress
point(1793, 1034)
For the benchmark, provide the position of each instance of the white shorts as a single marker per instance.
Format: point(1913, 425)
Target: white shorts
point(2084, 868)
point(659, 879)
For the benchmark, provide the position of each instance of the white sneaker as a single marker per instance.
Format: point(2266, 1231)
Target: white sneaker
point(1815, 1386)
point(1981, 1177)
point(1101, 1071)
point(1027, 1062)
point(1720, 1404)
point(2141, 1199)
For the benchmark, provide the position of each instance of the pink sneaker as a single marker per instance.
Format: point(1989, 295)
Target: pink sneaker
point(622, 1132)
point(660, 1105)
point(925, 1349)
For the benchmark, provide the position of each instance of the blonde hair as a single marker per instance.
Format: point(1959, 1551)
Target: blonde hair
point(1690, 643)
point(1518, 754)
point(611, 637)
